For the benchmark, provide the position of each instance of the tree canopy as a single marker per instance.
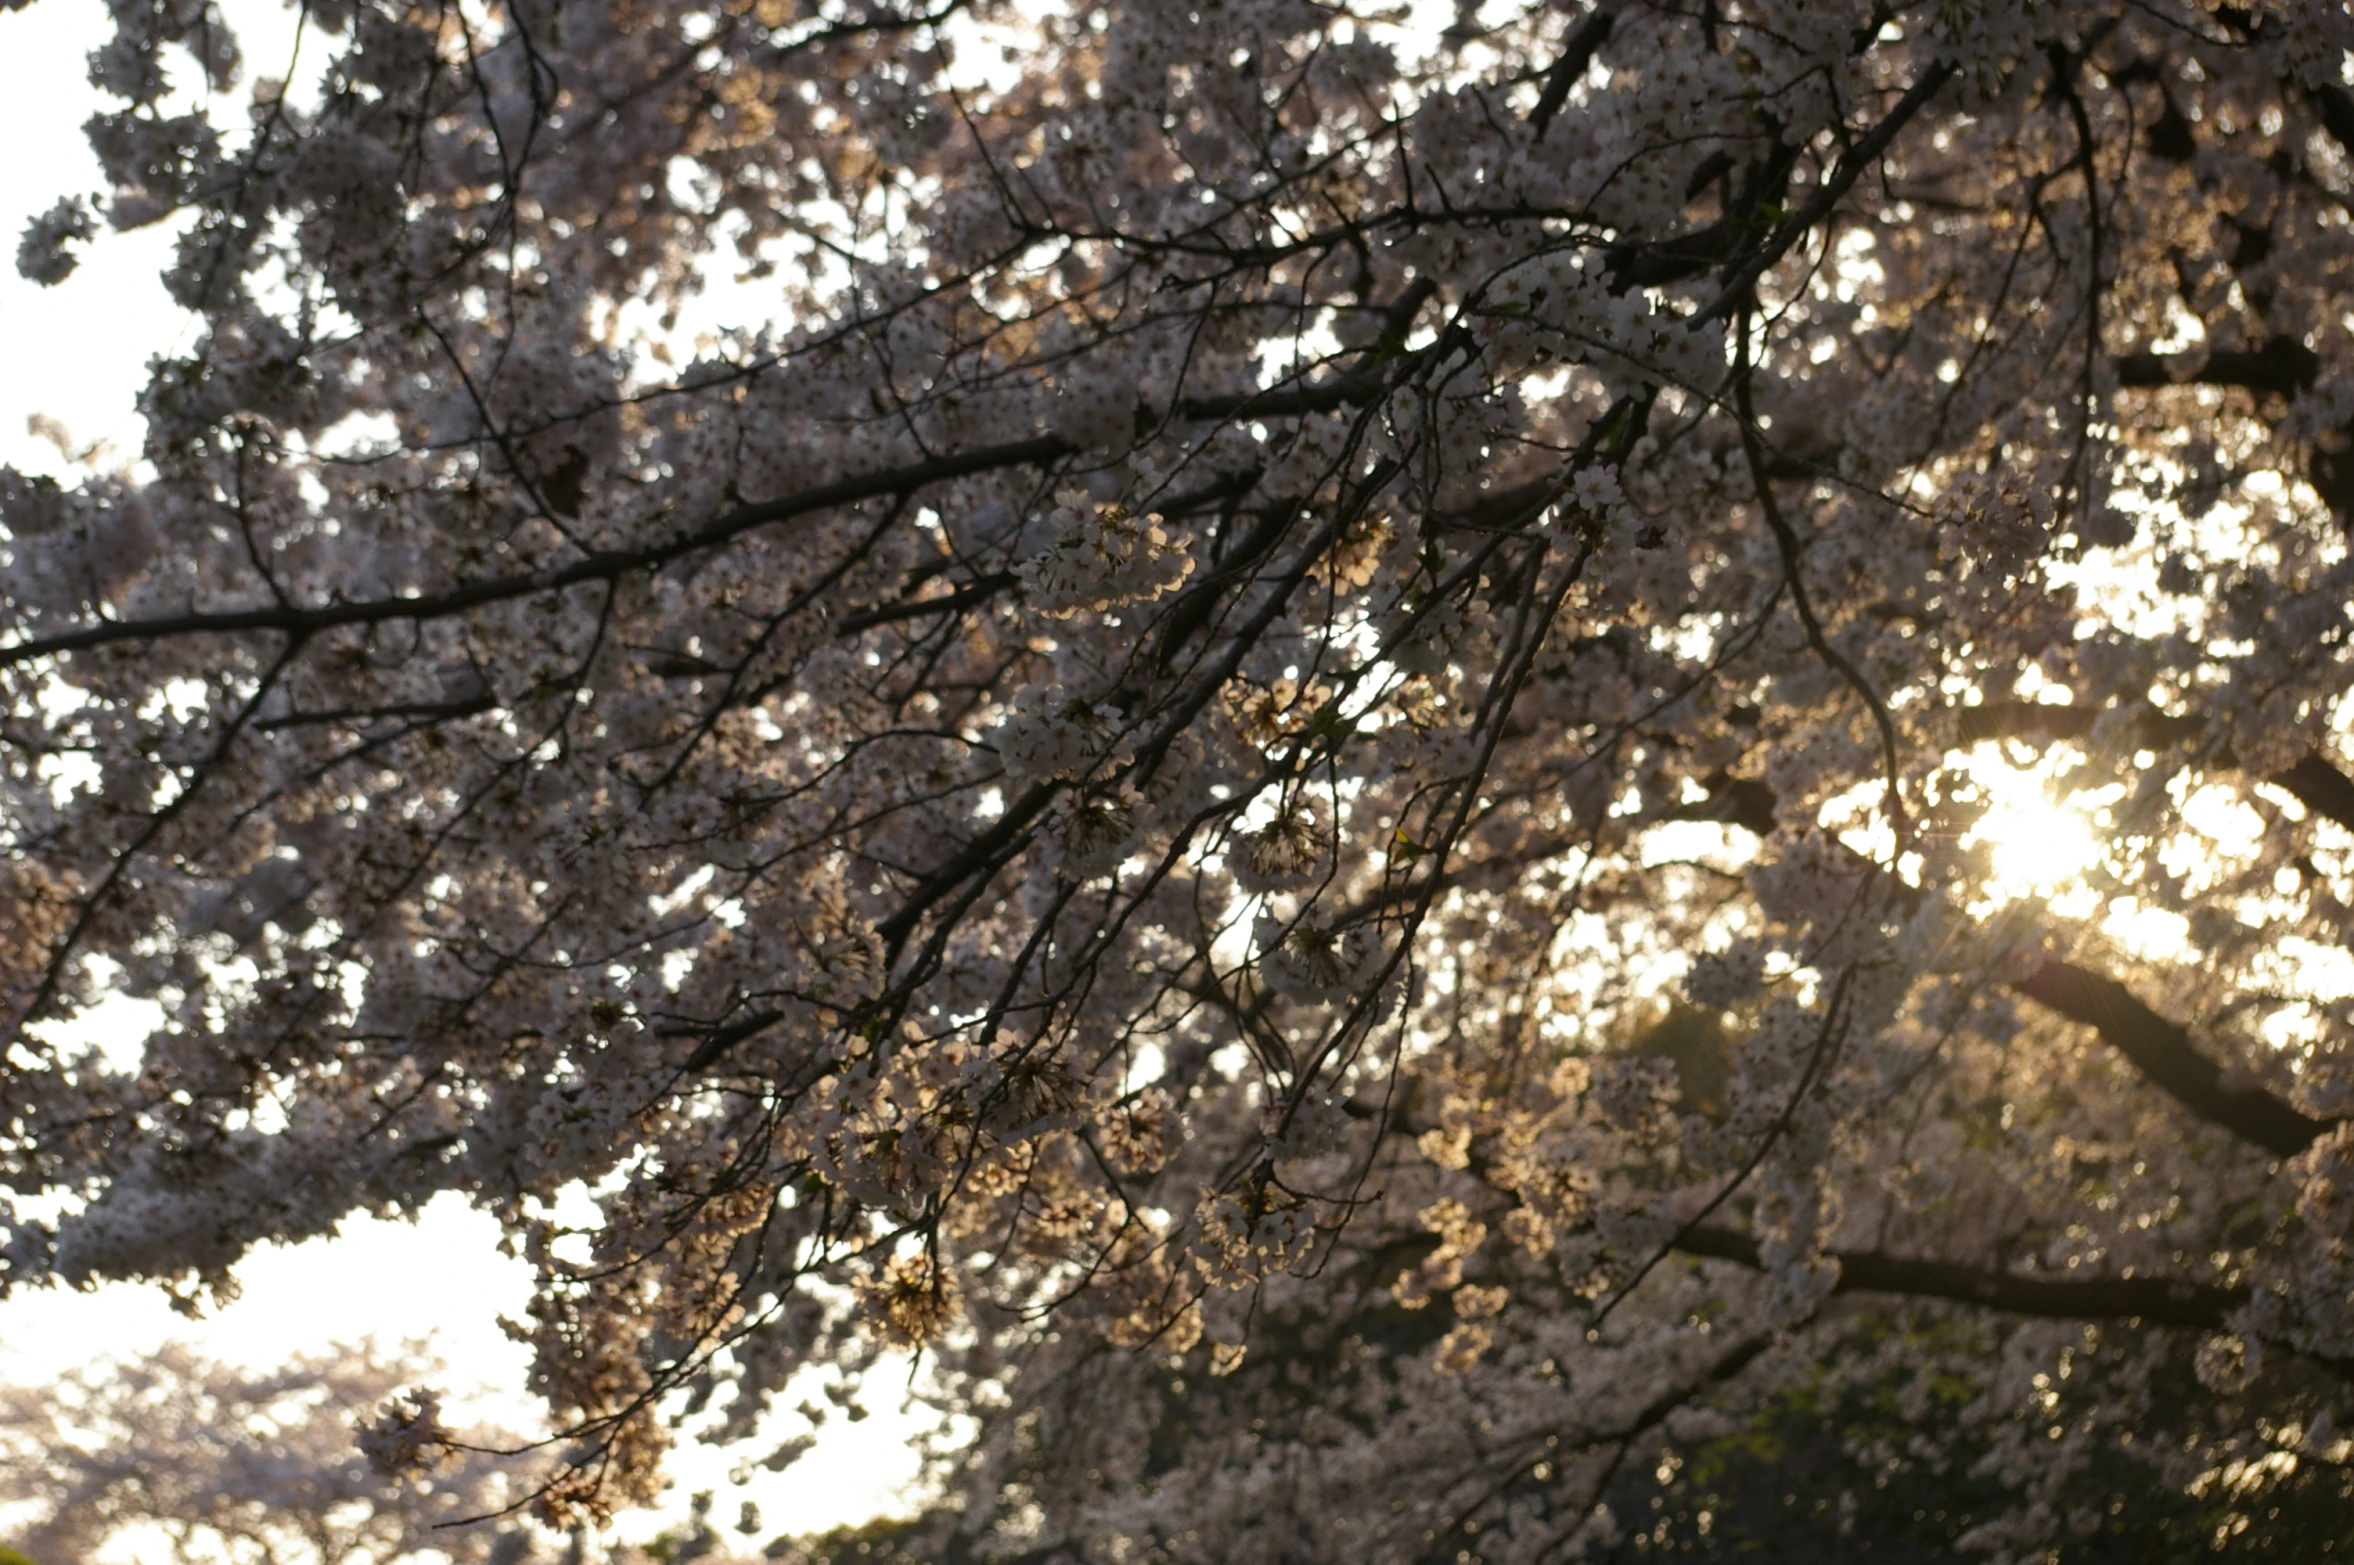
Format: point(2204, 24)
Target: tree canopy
point(199, 1463)
point(1386, 764)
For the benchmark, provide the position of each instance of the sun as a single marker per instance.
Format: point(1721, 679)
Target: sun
point(2038, 843)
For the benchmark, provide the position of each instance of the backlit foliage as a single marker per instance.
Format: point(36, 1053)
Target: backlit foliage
point(1119, 792)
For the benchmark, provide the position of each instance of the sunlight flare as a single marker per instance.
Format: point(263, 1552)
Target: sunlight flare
point(2036, 845)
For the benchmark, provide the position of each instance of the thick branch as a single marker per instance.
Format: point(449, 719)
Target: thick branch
point(1738, 801)
point(2336, 106)
point(2162, 1051)
point(978, 590)
point(602, 565)
point(2037, 722)
point(708, 1053)
point(2313, 781)
point(2283, 365)
point(1576, 55)
point(610, 564)
point(1850, 167)
point(2321, 788)
point(2158, 1048)
point(2165, 1301)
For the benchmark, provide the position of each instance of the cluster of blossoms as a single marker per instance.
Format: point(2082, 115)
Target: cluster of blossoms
point(1327, 691)
point(42, 255)
point(1102, 558)
point(1313, 963)
point(1051, 736)
point(1565, 306)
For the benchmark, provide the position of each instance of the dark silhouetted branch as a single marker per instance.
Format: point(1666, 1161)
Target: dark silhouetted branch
point(1862, 155)
point(2283, 365)
point(2321, 788)
point(2314, 782)
point(599, 566)
point(2158, 1048)
point(2165, 1301)
point(2162, 1052)
point(1576, 55)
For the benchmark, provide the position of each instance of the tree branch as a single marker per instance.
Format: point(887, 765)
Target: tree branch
point(2321, 788)
point(2283, 365)
point(2165, 1301)
point(2158, 1048)
point(2037, 722)
point(2314, 782)
point(1844, 174)
point(1576, 55)
point(598, 566)
point(2162, 1052)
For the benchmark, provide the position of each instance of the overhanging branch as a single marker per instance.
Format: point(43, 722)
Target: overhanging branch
point(2314, 782)
point(2283, 366)
point(1850, 167)
point(2162, 1300)
point(599, 566)
point(2158, 1048)
point(1576, 54)
point(2162, 1052)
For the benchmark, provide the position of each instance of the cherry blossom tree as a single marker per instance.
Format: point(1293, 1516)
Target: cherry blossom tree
point(228, 1467)
point(1386, 769)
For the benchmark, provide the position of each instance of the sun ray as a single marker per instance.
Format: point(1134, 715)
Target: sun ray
point(2039, 839)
